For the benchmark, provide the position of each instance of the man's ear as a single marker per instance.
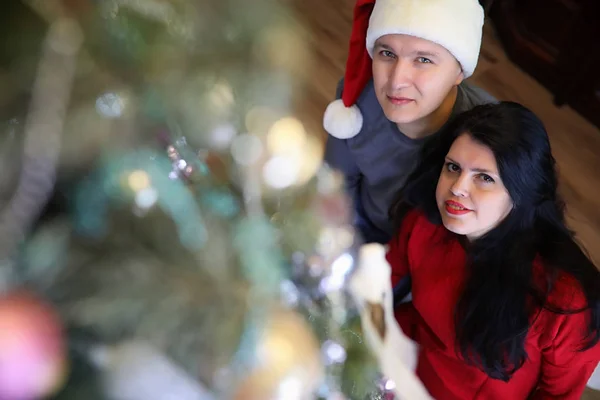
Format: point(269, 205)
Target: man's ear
point(460, 77)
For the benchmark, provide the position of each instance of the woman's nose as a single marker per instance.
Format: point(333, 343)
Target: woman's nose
point(460, 187)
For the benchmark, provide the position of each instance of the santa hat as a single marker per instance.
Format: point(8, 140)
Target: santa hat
point(454, 24)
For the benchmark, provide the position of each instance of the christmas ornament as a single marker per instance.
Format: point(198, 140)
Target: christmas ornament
point(287, 363)
point(32, 347)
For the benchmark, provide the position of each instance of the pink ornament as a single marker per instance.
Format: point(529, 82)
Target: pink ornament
point(32, 348)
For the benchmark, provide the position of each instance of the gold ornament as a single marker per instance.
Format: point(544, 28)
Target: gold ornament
point(288, 364)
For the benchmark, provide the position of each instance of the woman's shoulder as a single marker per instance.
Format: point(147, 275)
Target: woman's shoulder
point(565, 314)
point(566, 292)
point(414, 228)
point(416, 223)
point(416, 216)
point(411, 240)
point(560, 330)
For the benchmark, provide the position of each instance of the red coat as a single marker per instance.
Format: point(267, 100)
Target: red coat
point(554, 369)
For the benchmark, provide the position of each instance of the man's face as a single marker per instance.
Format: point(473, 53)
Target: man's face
point(412, 76)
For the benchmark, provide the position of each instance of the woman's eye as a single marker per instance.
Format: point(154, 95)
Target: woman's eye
point(486, 178)
point(452, 167)
point(424, 60)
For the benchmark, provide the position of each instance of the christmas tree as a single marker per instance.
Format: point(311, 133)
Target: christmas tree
point(169, 229)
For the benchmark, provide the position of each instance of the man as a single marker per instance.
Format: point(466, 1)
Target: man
point(398, 91)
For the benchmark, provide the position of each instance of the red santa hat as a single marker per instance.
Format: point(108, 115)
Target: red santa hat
point(454, 24)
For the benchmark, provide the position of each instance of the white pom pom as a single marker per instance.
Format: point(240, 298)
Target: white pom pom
point(342, 122)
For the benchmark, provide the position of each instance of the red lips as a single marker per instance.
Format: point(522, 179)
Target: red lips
point(455, 208)
point(399, 100)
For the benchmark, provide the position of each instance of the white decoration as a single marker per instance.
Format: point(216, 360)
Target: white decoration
point(370, 286)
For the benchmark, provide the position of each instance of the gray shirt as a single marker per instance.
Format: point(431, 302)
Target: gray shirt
point(377, 161)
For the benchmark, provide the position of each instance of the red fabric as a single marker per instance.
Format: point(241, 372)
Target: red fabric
point(358, 66)
point(436, 262)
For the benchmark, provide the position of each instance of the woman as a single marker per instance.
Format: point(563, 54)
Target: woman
point(505, 305)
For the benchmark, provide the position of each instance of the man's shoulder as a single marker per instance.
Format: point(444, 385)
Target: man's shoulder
point(472, 96)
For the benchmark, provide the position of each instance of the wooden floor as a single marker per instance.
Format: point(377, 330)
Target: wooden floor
point(575, 142)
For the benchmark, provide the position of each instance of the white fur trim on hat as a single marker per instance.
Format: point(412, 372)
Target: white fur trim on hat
point(342, 122)
point(454, 24)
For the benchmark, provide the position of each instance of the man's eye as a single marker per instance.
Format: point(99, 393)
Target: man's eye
point(424, 60)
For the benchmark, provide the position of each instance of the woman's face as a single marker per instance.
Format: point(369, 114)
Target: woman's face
point(470, 195)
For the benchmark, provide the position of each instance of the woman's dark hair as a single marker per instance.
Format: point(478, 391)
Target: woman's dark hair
point(500, 296)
